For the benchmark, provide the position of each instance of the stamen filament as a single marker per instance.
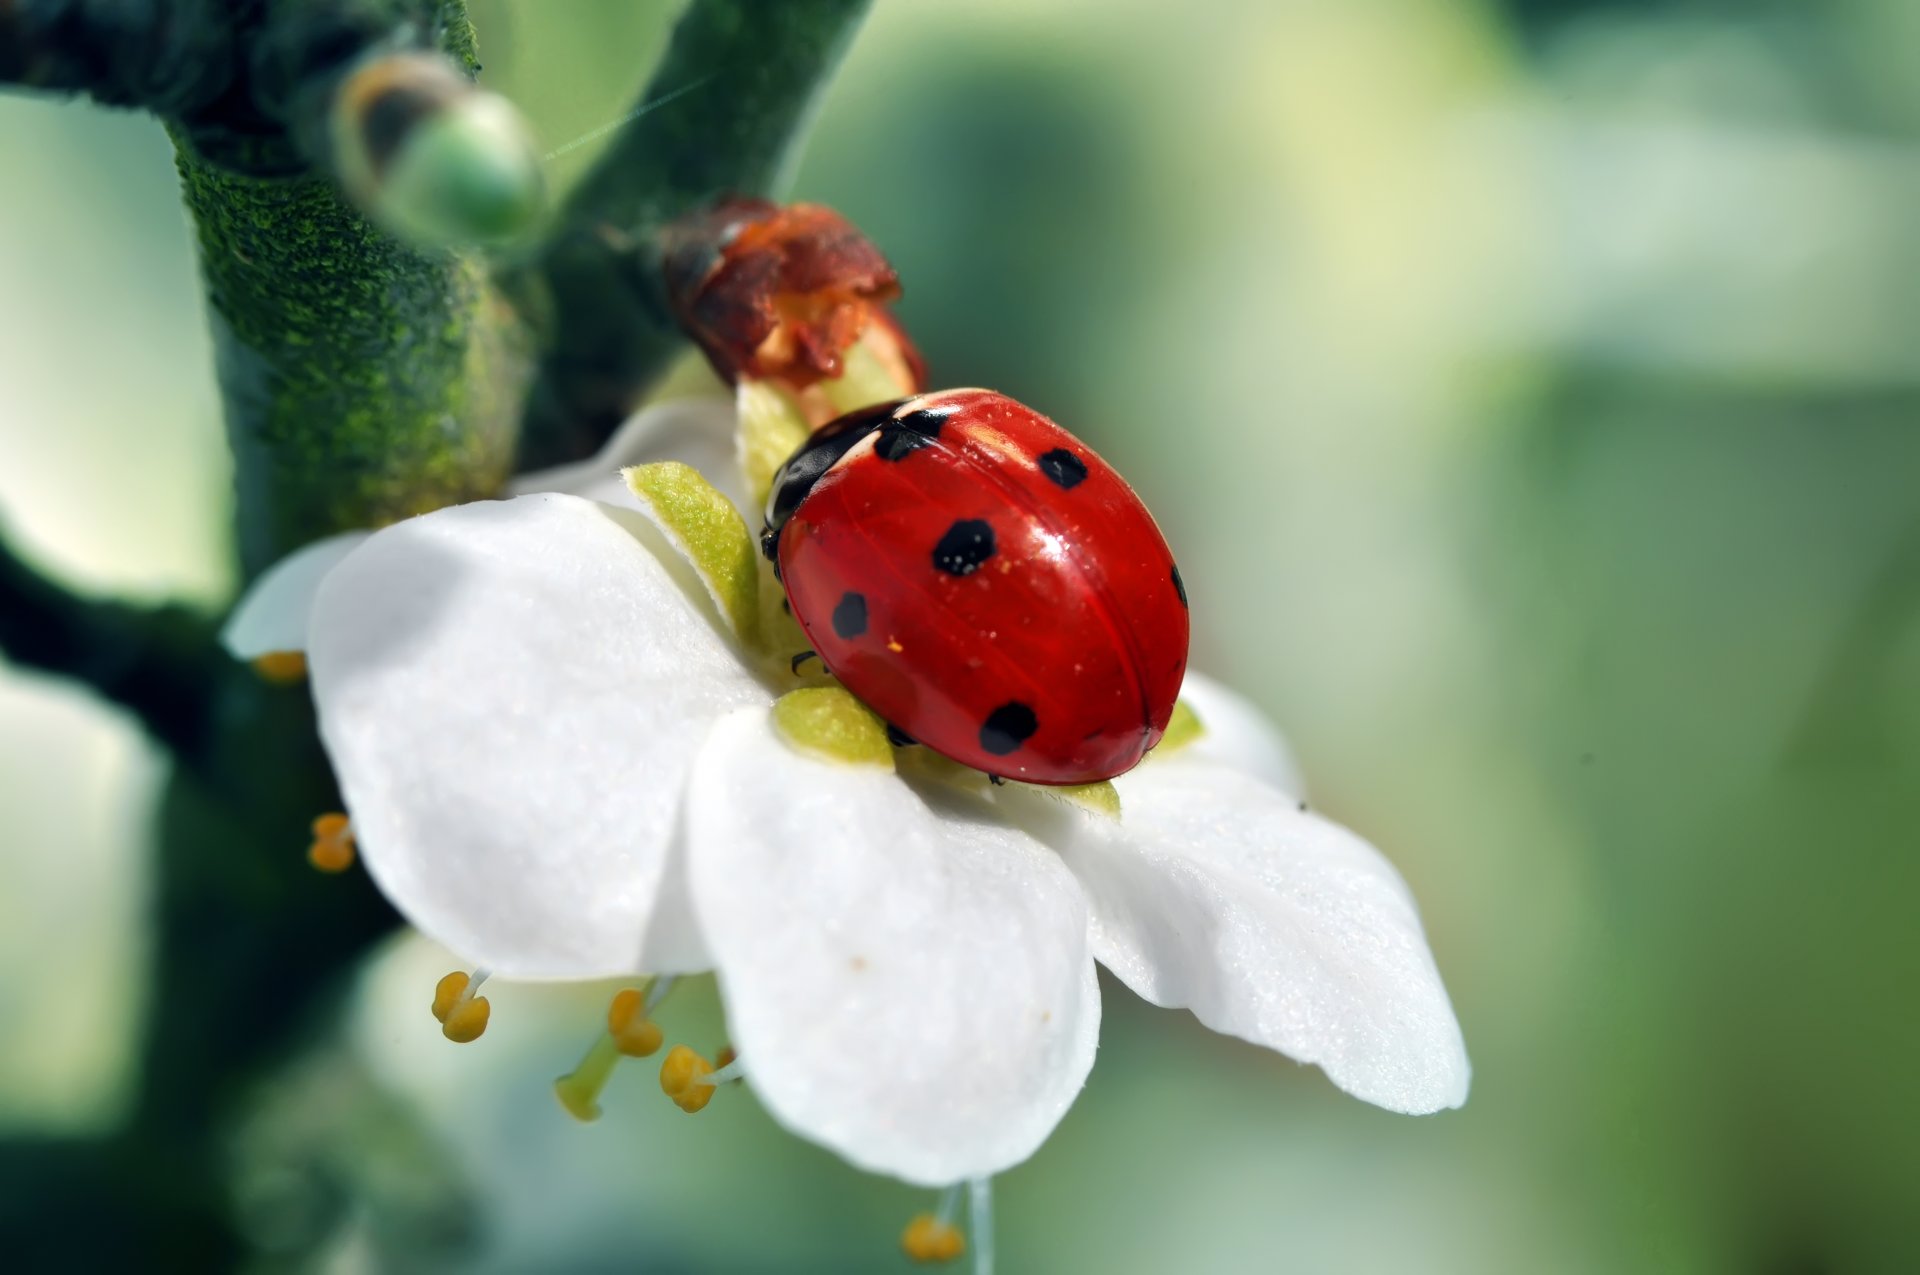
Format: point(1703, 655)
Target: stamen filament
point(948, 1204)
point(579, 1090)
point(721, 1075)
point(980, 1213)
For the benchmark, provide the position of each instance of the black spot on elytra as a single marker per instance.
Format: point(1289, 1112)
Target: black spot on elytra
point(1179, 586)
point(1065, 469)
point(1007, 727)
point(850, 614)
point(904, 435)
point(965, 548)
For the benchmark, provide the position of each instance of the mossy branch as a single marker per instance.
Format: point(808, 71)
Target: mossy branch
point(364, 380)
point(747, 75)
point(158, 663)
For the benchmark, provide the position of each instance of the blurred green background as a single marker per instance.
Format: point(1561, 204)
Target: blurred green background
point(1532, 394)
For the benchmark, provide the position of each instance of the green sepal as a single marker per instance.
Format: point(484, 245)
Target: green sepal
point(828, 722)
point(709, 532)
point(1102, 798)
point(1183, 728)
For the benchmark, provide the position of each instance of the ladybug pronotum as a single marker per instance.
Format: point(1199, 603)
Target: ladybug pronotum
point(985, 583)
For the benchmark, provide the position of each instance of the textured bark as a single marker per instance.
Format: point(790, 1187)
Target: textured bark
point(363, 381)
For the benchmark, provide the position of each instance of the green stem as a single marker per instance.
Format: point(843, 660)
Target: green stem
point(748, 75)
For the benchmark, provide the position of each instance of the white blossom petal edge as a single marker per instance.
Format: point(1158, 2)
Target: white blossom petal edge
point(1218, 893)
point(275, 613)
point(910, 985)
point(1238, 735)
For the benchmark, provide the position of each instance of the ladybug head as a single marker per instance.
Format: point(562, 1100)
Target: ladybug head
point(807, 466)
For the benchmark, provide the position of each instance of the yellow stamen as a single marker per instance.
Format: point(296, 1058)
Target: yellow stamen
point(282, 668)
point(928, 1239)
point(630, 1033)
point(463, 1016)
point(680, 1079)
point(636, 1035)
point(332, 849)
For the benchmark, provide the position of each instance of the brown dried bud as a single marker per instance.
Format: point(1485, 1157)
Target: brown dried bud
point(781, 293)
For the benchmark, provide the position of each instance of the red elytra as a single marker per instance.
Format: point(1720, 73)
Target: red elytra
point(985, 583)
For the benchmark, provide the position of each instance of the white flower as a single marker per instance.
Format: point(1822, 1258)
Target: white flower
point(559, 750)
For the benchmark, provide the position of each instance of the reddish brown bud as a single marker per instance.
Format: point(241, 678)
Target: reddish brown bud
point(781, 293)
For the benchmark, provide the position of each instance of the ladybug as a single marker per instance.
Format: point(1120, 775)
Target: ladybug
point(985, 583)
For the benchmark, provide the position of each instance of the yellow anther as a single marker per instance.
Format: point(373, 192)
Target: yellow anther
point(680, 1079)
point(928, 1239)
point(634, 1034)
point(332, 848)
point(463, 1016)
point(282, 668)
point(447, 992)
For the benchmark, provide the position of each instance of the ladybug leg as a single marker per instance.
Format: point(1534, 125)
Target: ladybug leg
point(899, 738)
point(996, 781)
point(802, 658)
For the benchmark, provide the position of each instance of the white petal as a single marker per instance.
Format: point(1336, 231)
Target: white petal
point(1216, 892)
point(1239, 735)
point(273, 614)
point(911, 987)
point(695, 431)
point(512, 693)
